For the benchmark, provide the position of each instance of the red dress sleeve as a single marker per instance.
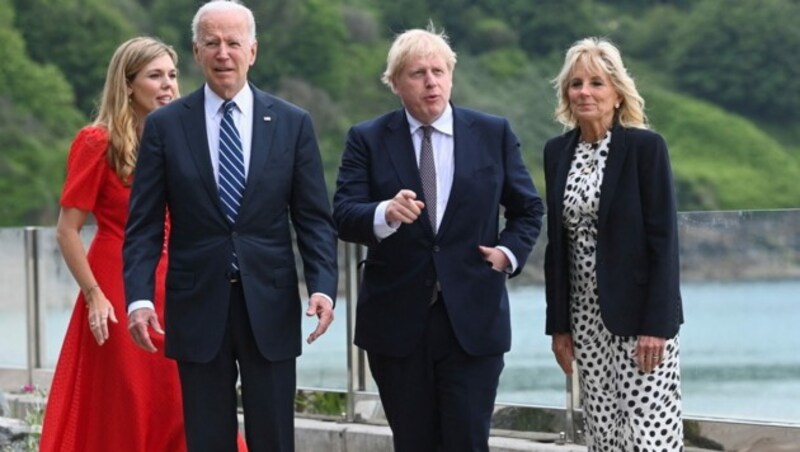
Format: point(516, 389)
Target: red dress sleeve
point(87, 168)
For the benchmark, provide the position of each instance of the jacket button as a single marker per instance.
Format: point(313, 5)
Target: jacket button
point(436, 248)
point(234, 234)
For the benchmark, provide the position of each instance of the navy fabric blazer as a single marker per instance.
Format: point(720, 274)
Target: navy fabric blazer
point(400, 271)
point(637, 236)
point(285, 181)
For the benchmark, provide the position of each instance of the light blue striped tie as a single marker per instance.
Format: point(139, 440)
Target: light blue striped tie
point(231, 168)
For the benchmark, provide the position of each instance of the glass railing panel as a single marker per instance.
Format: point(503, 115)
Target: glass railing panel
point(740, 346)
point(13, 321)
point(323, 364)
point(531, 375)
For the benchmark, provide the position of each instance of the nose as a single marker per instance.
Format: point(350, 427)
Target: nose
point(222, 54)
point(430, 79)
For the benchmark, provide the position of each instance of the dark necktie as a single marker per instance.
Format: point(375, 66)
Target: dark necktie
point(427, 173)
point(231, 168)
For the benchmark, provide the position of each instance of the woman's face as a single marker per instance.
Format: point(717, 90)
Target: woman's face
point(592, 97)
point(154, 86)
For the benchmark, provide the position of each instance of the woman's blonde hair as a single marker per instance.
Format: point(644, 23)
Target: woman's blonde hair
point(115, 112)
point(599, 55)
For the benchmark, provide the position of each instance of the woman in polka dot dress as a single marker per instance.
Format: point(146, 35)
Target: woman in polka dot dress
point(611, 265)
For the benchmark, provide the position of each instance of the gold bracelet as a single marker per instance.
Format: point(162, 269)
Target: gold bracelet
point(89, 290)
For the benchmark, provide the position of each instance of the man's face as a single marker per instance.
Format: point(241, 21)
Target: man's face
point(424, 86)
point(224, 51)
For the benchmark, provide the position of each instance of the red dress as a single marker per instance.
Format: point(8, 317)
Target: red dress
point(114, 397)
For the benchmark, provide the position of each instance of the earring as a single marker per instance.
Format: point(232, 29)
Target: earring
point(616, 106)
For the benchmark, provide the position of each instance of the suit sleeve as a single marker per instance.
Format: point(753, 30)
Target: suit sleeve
point(557, 318)
point(311, 215)
point(353, 209)
point(523, 206)
point(144, 232)
point(663, 310)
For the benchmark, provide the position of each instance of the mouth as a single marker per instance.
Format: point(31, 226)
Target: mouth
point(164, 100)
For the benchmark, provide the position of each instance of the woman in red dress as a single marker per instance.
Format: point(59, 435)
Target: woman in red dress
point(107, 394)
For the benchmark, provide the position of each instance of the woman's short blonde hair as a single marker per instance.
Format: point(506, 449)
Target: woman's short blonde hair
point(414, 43)
point(599, 55)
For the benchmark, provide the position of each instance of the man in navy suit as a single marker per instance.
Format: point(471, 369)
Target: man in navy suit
point(424, 187)
point(232, 301)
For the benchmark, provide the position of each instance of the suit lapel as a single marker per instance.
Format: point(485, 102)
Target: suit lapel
point(194, 128)
point(613, 171)
point(398, 144)
point(465, 145)
point(264, 119)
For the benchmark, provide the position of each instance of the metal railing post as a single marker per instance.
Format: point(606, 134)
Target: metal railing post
point(32, 300)
point(355, 358)
point(573, 391)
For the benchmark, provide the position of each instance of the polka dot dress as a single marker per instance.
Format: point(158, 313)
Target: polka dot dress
point(624, 409)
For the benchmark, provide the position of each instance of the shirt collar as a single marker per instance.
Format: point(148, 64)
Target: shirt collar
point(443, 124)
point(243, 99)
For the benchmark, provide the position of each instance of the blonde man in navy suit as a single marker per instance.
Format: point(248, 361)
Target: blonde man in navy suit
point(232, 302)
point(424, 188)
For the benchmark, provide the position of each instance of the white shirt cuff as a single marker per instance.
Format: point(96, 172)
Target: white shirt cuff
point(511, 259)
point(330, 300)
point(139, 304)
point(381, 228)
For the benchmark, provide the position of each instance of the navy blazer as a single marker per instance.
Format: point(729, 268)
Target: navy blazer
point(400, 271)
point(637, 236)
point(285, 180)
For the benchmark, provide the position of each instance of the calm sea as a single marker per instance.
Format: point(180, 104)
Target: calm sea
point(740, 350)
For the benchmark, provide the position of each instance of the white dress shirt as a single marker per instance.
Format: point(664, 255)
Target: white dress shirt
point(443, 159)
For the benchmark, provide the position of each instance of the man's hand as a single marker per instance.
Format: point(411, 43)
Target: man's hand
point(138, 322)
point(495, 257)
point(323, 309)
point(404, 208)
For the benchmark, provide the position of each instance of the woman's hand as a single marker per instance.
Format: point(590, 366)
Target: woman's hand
point(649, 352)
point(564, 350)
point(100, 313)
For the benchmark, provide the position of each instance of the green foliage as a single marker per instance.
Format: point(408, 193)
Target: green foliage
point(327, 56)
point(740, 54)
point(31, 169)
point(304, 38)
point(36, 118)
point(77, 36)
point(320, 403)
point(721, 160)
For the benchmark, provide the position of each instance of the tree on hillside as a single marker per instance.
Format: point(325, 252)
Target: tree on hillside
point(742, 55)
point(300, 39)
point(36, 109)
point(77, 36)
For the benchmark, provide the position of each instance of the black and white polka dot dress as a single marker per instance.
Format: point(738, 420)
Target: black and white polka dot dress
point(625, 409)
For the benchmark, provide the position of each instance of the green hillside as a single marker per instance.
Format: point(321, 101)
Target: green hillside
point(716, 77)
point(721, 160)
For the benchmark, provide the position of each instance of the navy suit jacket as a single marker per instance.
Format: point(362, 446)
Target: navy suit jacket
point(400, 271)
point(285, 181)
point(637, 236)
